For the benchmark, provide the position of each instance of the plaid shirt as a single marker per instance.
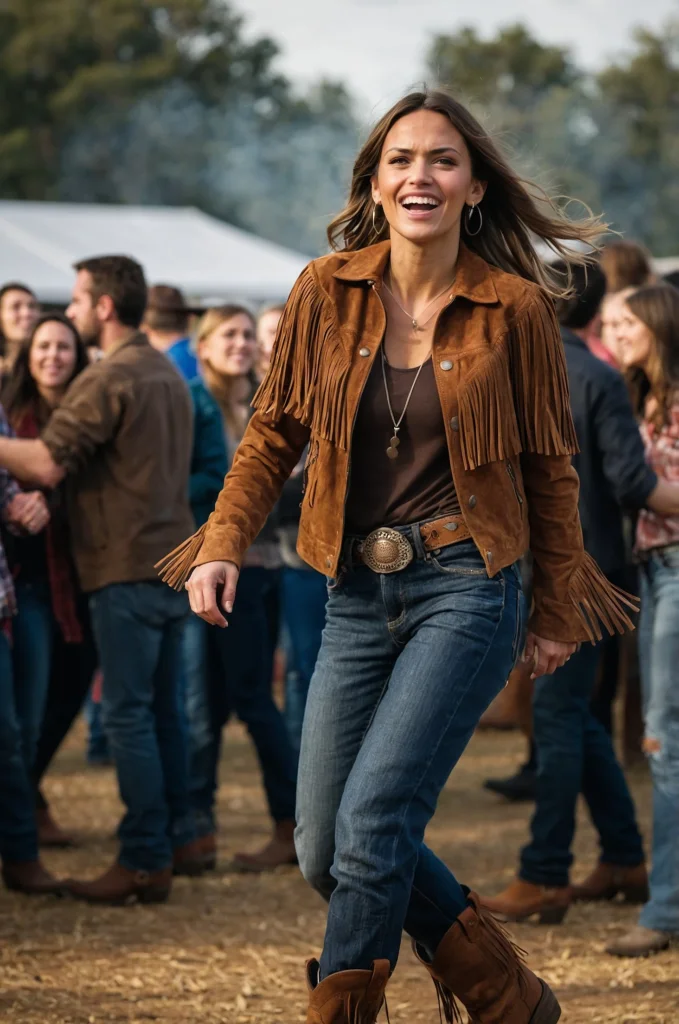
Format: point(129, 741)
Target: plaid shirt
point(8, 490)
point(662, 453)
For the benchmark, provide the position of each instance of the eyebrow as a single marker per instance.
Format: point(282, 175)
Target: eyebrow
point(432, 152)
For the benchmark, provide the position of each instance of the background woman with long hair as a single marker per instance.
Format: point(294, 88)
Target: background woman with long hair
point(648, 343)
point(54, 656)
point(231, 673)
point(422, 363)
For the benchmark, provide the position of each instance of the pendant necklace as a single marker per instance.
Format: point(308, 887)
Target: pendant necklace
point(395, 440)
point(419, 324)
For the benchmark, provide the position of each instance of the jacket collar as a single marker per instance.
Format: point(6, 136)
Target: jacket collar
point(473, 278)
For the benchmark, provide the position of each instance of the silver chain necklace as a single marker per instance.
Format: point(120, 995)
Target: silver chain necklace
point(418, 323)
point(395, 440)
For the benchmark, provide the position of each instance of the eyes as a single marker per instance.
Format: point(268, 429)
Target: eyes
point(443, 161)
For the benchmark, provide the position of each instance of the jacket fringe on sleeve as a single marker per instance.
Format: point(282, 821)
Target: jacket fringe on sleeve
point(308, 336)
point(175, 568)
point(600, 605)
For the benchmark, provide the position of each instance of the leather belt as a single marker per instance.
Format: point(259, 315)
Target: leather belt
point(387, 550)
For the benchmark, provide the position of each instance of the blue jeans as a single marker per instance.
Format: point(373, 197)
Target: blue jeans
point(304, 597)
point(575, 755)
point(408, 664)
point(18, 836)
point(33, 633)
point(659, 661)
point(139, 629)
point(229, 672)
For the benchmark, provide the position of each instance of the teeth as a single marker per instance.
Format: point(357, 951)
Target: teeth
point(421, 200)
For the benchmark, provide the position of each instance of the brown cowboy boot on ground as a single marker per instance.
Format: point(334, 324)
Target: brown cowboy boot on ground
point(194, 858)
point(120, 886)
point(49, 833)
point(478, 963)
point(31, 877)
point(609, 880)
point(640, 941)
point(349, 997)
point(278, 851)
point(522, 900)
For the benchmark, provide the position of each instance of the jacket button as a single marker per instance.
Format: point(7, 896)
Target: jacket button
point(472, 501)
point(370, 282)
point(446, 364)
point(455, 423)
point(328, 562)
point(364, 352)
point(489, 556)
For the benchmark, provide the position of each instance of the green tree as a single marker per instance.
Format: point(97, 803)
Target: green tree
point(64, 62)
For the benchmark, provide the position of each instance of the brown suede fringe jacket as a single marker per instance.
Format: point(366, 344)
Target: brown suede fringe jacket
point(501, 378)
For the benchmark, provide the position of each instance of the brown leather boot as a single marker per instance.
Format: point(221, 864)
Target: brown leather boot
point(189, 859)
point(31, 877)
point(522, 900)
point(120, 886)
point(349, 997)
point(278, 851)
point(478, 963)
point(49, 833)
point(609, 880)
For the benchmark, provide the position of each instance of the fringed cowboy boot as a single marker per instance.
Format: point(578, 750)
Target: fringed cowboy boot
point(477, 963)
point(348, 997)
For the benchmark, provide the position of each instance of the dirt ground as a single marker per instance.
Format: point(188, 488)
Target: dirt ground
point(230, 949)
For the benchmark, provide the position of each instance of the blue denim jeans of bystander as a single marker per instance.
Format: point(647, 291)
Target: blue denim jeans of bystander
point(575, 755)
point(659, 658)
point(229, 672)
point(304, 597)
point(139, 629)
point(33, 634)
point(408, 664)
point(18, 835)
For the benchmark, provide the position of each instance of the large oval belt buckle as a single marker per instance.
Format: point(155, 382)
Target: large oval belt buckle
point(385, 550)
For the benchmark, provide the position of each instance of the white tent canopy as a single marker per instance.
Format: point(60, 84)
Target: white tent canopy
point(204, 257)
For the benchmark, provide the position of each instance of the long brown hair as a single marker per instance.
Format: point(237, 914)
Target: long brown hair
point(20, 393)
point(516, 213)
point(223, 387)
point(626, 265)
point(657, 306)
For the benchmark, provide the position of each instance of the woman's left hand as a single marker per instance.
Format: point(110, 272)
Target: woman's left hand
point(547, 655)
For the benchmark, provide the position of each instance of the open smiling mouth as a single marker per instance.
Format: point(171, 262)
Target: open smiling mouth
point(420, 204)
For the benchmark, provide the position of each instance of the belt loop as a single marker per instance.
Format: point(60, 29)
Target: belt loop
point(417, 541)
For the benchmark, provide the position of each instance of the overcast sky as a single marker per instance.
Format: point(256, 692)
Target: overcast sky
point(377, 47)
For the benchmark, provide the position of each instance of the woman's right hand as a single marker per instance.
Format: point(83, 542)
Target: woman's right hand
point(212, 591)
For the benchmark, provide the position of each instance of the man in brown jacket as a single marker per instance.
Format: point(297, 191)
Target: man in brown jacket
point(122, 438)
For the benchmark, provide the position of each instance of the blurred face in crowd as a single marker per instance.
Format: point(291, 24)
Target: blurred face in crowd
point(19, 311)
point(636, 343)
point(611, 311)
point(52, 358)
point(425, 178)
point(230, 348)
point(83, 311)
point(266, 335)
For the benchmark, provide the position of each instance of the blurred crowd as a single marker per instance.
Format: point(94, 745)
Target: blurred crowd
point(120, 418)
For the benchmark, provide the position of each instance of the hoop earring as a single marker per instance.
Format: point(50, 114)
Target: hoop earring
point(376, 230)
point(468, 218)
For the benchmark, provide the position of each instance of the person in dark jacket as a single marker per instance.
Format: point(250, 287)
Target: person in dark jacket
point(574, 750)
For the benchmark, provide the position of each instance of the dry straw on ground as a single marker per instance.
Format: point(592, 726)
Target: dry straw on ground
point(229, 949)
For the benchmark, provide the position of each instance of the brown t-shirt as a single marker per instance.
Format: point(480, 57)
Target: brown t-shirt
point(124, 434)
point(419, 483)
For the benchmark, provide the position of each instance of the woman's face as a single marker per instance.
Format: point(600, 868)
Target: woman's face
point(611, 311)
point(53, 356)
point(424, 178)
point(230, 349)
point(19, 311)
point(635, 340)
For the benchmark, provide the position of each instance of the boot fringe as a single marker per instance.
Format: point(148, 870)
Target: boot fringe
point(175, 568)
point(599, 603)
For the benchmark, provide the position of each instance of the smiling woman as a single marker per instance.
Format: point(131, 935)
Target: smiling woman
point(423, 366)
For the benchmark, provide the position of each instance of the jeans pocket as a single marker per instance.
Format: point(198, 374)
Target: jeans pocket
point(459, 560)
